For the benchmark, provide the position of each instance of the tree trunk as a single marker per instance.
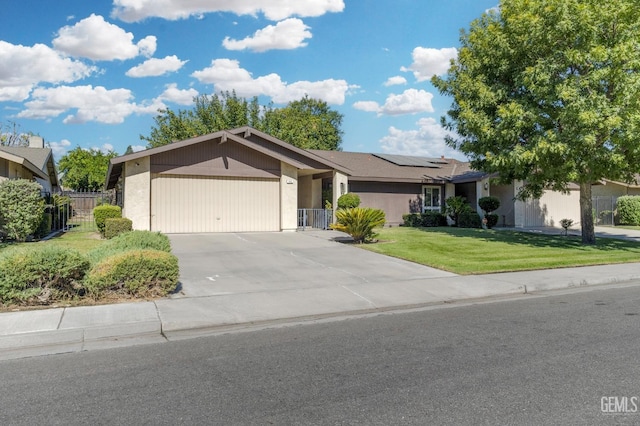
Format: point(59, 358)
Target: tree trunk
point(586, 214)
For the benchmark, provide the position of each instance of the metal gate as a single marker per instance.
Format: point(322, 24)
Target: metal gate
point(314, 218)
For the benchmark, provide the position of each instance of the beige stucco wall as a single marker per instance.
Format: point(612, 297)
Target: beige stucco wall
point(288, 197)
point(340, 187)
point(482, 190)
point(137, 193)
point(316, 194)
point(305, 192)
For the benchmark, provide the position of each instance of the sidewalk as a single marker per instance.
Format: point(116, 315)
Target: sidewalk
point(61, 330)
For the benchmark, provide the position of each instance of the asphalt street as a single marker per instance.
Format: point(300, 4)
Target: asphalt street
point(563, 358)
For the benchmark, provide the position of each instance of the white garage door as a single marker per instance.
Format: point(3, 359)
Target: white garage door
point(182, 204)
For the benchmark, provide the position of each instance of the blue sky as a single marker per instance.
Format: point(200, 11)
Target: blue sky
point(94, 73)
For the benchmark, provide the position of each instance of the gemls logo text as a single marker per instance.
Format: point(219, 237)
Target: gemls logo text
point(619, 404)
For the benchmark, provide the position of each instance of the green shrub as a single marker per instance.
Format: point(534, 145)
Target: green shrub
point(103, 212)
point(133, 240)
point(348, 201)
point(359, 222)
point(429, 219)
point(492, 220)
point(45, 224)
point(412, 219)
point(628, 210)
point(469, 219)
point(137, 273)
point(455, 207)
point(21, 208)
point(41, 274)
point(114, 226)
point(489, 204)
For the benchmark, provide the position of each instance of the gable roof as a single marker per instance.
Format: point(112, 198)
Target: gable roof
point(390, 168)
point(270, 146)
point(33, 159)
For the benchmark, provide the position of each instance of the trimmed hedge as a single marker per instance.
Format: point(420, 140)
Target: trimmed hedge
point(492, 220)
point(628, 210)
point(114, 226)
point(426, 219)
point(133, 240)
point(21, 208)
point(41, 274)
point(469, 219)
point(348, 201)
point(138, 273)
point(103, 212)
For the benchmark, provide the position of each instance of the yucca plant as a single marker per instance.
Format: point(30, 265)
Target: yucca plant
point(359, 222)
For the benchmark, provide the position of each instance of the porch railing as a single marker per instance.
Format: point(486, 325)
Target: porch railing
point(314, 218)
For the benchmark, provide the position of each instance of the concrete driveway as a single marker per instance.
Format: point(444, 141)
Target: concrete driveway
point(223, 264)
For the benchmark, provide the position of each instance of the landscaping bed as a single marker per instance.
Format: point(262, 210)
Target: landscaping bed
point(80, 268)
point(482, 251)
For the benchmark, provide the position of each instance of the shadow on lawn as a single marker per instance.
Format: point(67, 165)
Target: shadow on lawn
point(534, 239)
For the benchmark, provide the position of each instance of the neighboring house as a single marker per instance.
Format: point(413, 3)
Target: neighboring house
point(243, 180)
point(32, 162)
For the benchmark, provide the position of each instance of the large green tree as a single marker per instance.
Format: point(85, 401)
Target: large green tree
point(306, 123)
point(84, 170)
point(548, 92)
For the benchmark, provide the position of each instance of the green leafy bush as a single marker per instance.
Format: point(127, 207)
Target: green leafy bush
point(489, 204)
point(455, 207)
point(492, 220)
point(41, 274)
point(137, 273)
point(412, 219)
point(429, 219)
point(133, 240)
point(21, 208)
point(359, 222)
point(469, 219)
point(103, 212)
point(45, 224)
point(114, 226)
point(628, 210)
point(348, 201)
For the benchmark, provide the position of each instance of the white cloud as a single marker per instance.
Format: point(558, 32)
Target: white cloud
point(23, 67)
point(96, 39)
point(395, 81)
point(137, 148)
point(426, 141)
point(226, 74)
point(154, 67)
point(59, 148)
point(288, 34)
point(178, 96)
point(105, 148)
point(88, 103)
point(275, 10)
point(428, 62)
point(411, 101)
point(368, 106)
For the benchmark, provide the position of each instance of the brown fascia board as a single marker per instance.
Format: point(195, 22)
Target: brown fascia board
point(115, 164)
point(25, 163)
point(423, 180)
point(247, 131)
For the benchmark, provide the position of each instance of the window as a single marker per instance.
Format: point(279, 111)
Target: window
point(432, 199)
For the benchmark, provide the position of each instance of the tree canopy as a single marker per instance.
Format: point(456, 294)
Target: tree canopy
point(84, 170)
point(307, 123)
point(548, 92)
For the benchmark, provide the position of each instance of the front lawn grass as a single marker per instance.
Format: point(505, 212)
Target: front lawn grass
point(79, 240)
point(482, 251)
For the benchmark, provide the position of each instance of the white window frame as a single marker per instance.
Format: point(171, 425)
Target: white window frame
point(427, 194)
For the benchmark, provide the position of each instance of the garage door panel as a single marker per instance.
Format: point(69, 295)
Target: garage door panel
point(182, 204)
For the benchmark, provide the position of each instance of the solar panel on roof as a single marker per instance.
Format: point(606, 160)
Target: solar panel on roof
point(411, 161)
